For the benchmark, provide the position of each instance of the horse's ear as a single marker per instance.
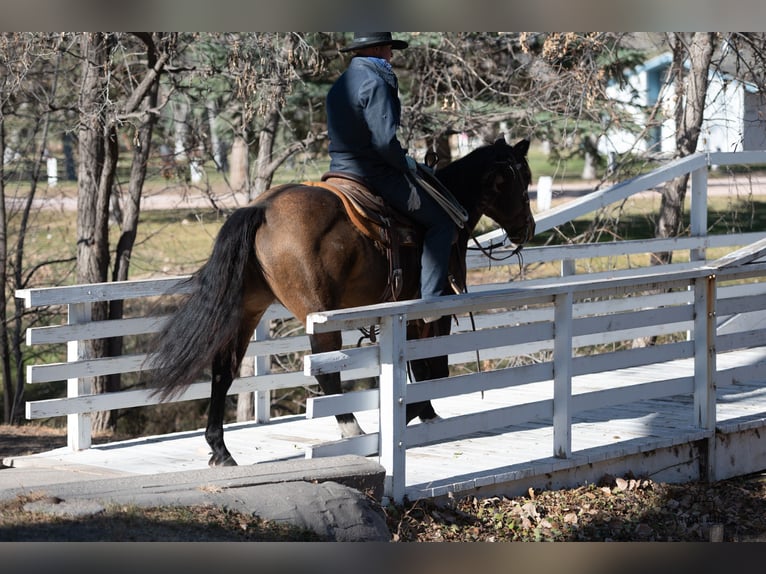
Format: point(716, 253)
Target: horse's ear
point(522, 147)
point(500, 141)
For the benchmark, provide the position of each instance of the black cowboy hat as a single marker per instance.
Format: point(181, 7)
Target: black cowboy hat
point(369, 39)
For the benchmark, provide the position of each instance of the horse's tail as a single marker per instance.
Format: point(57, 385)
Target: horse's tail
point(208, 321)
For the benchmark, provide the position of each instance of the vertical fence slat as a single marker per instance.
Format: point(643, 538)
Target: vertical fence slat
point(705, 363)
point(562, 376)
point(393, 398)
point(78, 425)
point(704, 351)
point(698, 211)
point(262, 399)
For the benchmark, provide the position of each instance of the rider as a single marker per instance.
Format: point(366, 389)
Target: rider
point(363, 114)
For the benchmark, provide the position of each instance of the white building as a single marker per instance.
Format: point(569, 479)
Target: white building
point(734, 118)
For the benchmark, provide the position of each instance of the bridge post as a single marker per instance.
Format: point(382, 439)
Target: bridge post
point(698, 211)
point(262, 367)
point(562, 376)
point(78, 424)
point(705, 365)
point(393, 404)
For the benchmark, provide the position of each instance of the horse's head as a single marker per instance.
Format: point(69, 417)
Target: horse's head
point(507, 199)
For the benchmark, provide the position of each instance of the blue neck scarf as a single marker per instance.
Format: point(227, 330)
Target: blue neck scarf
point(384, 70)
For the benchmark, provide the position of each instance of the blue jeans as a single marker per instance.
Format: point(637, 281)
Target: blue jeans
point(440, 230)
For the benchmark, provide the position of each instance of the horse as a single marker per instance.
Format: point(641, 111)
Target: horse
point(296, 244)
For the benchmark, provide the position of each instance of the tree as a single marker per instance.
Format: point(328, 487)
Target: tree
point(263, 72)
point(102, 110)
point(690, 93)
point(31, 69)
point(547, 86)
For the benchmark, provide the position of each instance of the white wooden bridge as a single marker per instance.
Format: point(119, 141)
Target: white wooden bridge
point(560, 399)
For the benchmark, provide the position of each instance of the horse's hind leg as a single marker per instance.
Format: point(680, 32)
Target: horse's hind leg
point(222, 379)
point(330, 384)
point(225, 368)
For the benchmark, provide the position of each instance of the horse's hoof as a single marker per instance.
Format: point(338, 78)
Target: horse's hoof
point(434, 419)
point(228, 460)
point(350, 430)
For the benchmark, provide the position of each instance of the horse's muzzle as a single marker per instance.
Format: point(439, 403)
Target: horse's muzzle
point(523, 235)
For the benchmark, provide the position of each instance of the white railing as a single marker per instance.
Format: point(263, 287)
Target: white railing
point(566, 319)
point(78, 369)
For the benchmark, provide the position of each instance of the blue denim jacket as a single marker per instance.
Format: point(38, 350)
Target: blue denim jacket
point(363, 114)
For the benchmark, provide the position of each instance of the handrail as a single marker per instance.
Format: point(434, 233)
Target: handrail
point(394, 351)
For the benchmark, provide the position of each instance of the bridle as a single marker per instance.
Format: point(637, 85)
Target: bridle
point(514, 167)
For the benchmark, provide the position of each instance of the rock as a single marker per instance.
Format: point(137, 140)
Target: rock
point(331, 510)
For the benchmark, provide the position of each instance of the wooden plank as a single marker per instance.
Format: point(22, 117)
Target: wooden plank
point(548, 253)
point(393, 381)
point(330, 405)
point(479, 382)
point(634, 321)
point(142, 397)
point(599, 199)
point(741, 340)
point(95, 292)
point(85, 368)
point(562, 377)
point(638, 357)
point(335, 361)
point(94, 330)
point(583, 288)
point(737, 158)
point(478, 422)
point(741, 256)
point(742, 303)
point(78, 425)
point(505, 337)
point(591, 400)
point(365, 445)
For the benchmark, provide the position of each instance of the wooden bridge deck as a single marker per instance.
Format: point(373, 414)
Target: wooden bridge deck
point(618, 439)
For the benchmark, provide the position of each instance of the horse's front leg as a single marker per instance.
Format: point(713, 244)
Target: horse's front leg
point(222, 379)
point(429, 368)
point(330, 383)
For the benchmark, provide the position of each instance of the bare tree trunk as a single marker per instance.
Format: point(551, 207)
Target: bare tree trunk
point(132, 209)
point(239, 165)
point(691, 90)
point(5, 350)
point(217, 145)
point(16, 339)
point(98, 160)
point(264, 170)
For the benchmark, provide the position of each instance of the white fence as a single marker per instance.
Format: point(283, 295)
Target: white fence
point(576, 320)
point(542, 316)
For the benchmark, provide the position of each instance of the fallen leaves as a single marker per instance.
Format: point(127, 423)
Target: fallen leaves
point(616, 509)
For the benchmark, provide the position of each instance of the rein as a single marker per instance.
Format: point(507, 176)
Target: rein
point(487, 251)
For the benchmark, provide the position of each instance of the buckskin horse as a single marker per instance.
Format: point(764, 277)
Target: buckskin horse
point(297, 244)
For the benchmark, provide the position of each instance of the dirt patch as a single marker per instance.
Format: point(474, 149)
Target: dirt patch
point(29, 439)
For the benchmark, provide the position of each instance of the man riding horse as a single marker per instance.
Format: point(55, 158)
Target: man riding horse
point(363, 114)
point(297, 244)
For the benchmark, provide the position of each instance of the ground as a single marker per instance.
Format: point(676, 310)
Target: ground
point(617, 509)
